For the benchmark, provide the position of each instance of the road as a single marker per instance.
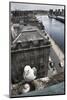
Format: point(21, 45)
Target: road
point(56, 61)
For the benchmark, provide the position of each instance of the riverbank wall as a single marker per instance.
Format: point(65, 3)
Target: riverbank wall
point(59, 18)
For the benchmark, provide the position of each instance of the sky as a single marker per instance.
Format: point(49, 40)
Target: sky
point(24, 6)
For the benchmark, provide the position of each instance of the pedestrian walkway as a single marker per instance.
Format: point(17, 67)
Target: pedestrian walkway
point(57, 50)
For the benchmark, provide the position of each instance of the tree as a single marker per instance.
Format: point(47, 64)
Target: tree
point(51, 11)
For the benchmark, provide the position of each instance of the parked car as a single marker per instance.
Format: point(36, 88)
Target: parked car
point(61, 63)
point(51, 63)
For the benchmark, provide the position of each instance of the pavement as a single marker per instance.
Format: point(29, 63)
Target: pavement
point(56, 60)
point(57, 50)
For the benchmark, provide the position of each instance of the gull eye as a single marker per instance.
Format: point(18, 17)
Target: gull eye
point(28, 70)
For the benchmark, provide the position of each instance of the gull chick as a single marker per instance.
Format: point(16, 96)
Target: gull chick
point(29, 73)
point(26, 88)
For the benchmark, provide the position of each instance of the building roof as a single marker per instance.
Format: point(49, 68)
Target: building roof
point(29, 33)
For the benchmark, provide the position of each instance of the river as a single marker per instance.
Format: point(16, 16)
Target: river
point(54, 28)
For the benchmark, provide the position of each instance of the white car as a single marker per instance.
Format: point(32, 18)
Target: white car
point(51, 62)
point(61, 64)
